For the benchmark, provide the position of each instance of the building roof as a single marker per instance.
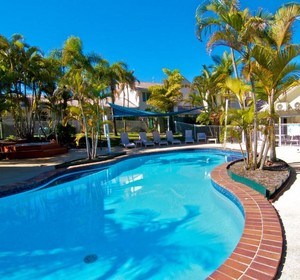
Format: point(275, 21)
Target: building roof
point(145, 85)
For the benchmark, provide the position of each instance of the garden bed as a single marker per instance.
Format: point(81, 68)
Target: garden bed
point(272, 178)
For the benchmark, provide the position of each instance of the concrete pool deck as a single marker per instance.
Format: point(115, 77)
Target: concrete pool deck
point(14, 171)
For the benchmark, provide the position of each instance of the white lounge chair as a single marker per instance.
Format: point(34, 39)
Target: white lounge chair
point(157, 139)
point(201, 136)
point(170, 138)
point(189, 137)
point(144, 139)
point(125, 141)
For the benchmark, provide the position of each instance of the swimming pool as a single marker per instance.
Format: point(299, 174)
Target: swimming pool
point(148, 217)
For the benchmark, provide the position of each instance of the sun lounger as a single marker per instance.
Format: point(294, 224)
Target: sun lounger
point(201, 136)
point(157, 139)
point(170, 138)
point(125, 141)
point(145, 141)
point(189, 137)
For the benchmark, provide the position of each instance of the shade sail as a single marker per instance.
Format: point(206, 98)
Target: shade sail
point(120, 111)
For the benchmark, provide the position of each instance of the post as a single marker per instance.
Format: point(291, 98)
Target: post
point(225, 133)
point(106, 132)
point(279, 132)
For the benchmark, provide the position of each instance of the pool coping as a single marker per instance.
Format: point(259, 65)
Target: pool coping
point(259, 251)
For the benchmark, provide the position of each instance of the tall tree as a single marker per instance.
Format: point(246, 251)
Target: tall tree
point(241, 118)
point(21, 81)
point(242, 33)
point(165, 97)
point(117, 76)
point(56, 98)
point(206, 89)
point(216, 17)
point(274, 65)
point(79, 78)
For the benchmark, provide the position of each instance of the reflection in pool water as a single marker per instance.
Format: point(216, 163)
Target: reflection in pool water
point(148, 217)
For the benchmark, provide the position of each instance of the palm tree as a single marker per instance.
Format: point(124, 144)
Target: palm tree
point(3, 110)
point(244, 116)
point(222, 19)
point(9, 59)
point(34, 66)
point(207, 90)
point(274, 67)
point(56, 98)
point(21, 65)
point(276, 74)
point(165, 97)
point(117, 76)
point(222, 15)
point(241, 120)
point(127, 83)
point(248, 30)
point(242, 32)
point(79, 80)
point(206, 94)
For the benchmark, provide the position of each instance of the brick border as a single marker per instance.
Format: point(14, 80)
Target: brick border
point(258, 254)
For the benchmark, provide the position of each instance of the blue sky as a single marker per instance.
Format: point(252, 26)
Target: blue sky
point(146, 34)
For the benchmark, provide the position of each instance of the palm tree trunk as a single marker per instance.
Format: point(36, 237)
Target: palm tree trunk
point(272, 127)
point(227, 101)
point(263, 145)
point(115, 126)
point(254, 166)
point(248, 149)
point(234, 63)
point(87, 142)
point(264, 158)
point(112, 88)
point(226, 118)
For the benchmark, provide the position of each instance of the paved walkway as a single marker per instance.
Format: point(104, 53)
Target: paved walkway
point(289, 210)
point(18, 170)
point(13, 171)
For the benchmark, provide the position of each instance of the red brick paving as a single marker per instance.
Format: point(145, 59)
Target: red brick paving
point(258, 254)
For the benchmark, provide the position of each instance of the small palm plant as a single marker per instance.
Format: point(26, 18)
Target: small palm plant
point(240, 123)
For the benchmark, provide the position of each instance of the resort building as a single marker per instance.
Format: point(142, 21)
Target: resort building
point(288, 106)
point(138, 96)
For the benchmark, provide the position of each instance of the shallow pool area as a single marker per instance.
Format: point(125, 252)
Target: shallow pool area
point(148, 217)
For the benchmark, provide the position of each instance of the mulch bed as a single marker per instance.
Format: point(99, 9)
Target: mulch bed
point(271, 177)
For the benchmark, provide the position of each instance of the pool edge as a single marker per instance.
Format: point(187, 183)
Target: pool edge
point(259, 251)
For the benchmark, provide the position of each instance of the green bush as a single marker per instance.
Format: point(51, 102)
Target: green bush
point(66, 134)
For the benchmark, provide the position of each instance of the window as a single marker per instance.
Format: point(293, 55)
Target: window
point(145, 96)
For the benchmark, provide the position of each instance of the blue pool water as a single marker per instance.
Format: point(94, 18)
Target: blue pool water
point(148, 217)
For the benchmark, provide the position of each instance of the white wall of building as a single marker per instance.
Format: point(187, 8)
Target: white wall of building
point(137, 98)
